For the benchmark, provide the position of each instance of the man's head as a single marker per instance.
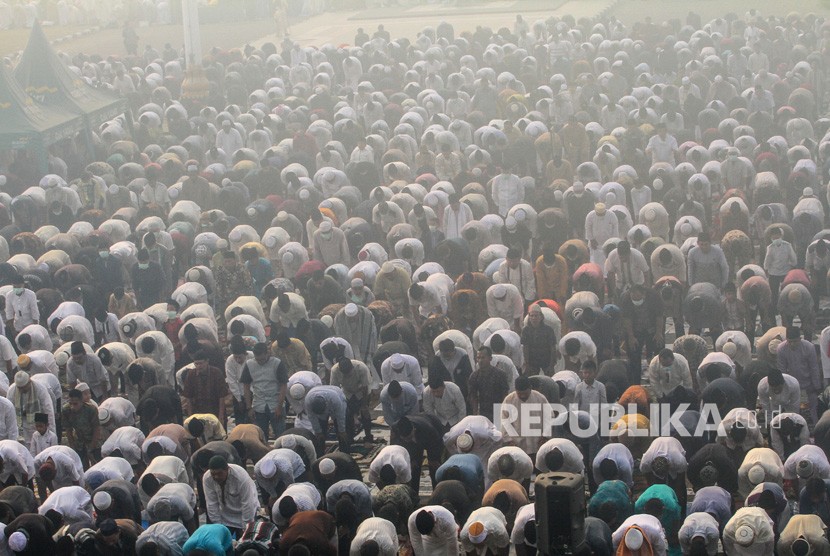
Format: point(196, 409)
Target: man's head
point(200, 360)
point(589, 371)
point(514, 257)
point(76, 400)
point(110, 532)
point(218, 467)
point(229, 260)
point(523, 388)
point(446, 348)
point(666, 357)
point(41, 423)
point(775, 380)
point(78, 353)
point(704, 241)
point(793, 337)
point(484, 356)
point(261, 353)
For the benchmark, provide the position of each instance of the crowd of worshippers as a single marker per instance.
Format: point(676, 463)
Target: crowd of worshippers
point(435, 227)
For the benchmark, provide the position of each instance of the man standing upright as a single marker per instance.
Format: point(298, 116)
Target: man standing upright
point(797, 357)
point(265, 379)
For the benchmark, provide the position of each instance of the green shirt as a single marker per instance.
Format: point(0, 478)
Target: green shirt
point(82, 423)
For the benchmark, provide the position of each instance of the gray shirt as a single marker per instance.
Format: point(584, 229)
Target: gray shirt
point(708, 267)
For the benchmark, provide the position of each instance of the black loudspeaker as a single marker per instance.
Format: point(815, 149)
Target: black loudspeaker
point(560, 512)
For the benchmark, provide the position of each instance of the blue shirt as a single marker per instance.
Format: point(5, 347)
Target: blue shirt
point(214, 538)
point(472, 471)
point(261, 274)
point(394, 409)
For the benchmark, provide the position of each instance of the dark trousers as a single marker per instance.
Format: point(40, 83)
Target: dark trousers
point(645, 341)
point(240, 412)
point(267, 419)
point(358, 406)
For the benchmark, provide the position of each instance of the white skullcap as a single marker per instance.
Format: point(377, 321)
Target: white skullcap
point(297, 391)
point(112, 189)
point(325, 226)
point(226, 181)
point(685, 228)
point(387, 267)
point(685, 81)
point(82, 386)
point(658, 184)
point(730, 349)
point(634, 539)
point(499, 291)
point(193, 275)
point(234, 236)
point(192, 168)
point(611, 198)
point(289, 441)
point(18, 541)
point(756, 474)
point(304, 195)
point(251, 212)
point(744, 535)
point(61, 358)
point(21, 379)
point(103, 415)
point(808, 191)
point(520, 215)
point(287, 258)
point(102, 500)
point(282, 215)
point(270, 242)
point(327, 466)
point(325, 203)
point(222, 244)
point(804, 469)
point(464, 442)
point(651, 214)
point(510, 223)
point(718, 78)
point(268, 468)
point(396, 361)
point(327, 320)
point(329, 176)
point(350, 310)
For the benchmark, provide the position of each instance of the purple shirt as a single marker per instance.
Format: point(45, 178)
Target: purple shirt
point(801, 363)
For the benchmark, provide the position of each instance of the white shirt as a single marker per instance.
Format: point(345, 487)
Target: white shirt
point(507, 190)
point(662, 150)
point(229, 140)
point(669, 448)
point(509, 308)
point(522, 470)
point(112, 468)
point(634, 271)
point(495, 526)
point(410, 372)
point(665, 380)
point(181, 498)
point(788, 401)
point(619, 454)
point(72, 502)
point(289, 466)
point(601, 228)
point(22, 308)
point(8, 421)
point(780, 259)
point(305, 496)
point(398, 458)
point(170, 536)
point(234, 504)
point(572, 457)
point(450, 408)
point(455, 221)
point(17, 461)
point(522, 277)
point(365, 155)
point(650, 526)
point(68, 467)
point(442, 540)
point(379, 530)
point(167, 469)
point(126, 439)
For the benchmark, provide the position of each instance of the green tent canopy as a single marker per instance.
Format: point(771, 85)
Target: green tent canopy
point(44, 76)
point(28, 124)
